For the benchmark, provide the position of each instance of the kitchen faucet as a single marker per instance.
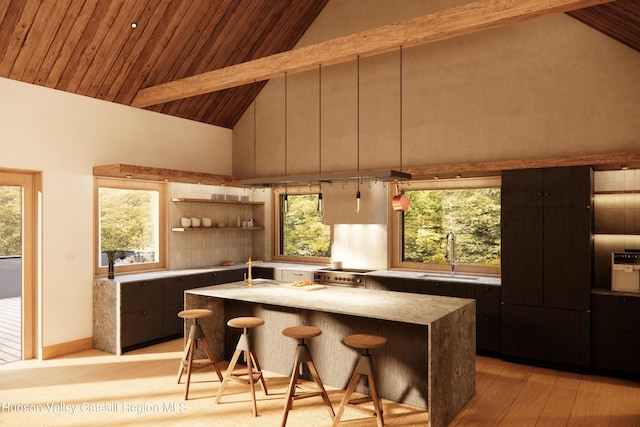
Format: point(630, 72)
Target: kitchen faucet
point(250, 263)
point(450, 252)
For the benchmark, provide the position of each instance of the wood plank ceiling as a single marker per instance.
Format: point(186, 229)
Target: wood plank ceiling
point(88, 47)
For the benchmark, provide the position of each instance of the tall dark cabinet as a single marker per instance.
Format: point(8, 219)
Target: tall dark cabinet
point(546, 264)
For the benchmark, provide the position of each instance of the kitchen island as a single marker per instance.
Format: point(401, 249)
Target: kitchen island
point(429, 361)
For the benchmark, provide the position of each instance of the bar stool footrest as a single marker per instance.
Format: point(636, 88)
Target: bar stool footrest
point(239, 377)
point(360, 400)
point(306, 394)
point(367, 411)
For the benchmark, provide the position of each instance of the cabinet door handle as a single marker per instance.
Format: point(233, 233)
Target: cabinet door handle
point(144, 313)
point(546, 194)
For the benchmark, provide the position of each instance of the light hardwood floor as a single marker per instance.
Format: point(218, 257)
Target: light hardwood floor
point(139, 388)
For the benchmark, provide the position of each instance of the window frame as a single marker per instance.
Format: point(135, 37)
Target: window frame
point(277, 215)
point(396, 222)
point(163, 214)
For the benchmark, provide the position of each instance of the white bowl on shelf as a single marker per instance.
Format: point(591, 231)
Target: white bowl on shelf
point(206, 222)
point(195, 222)
point(185, 222)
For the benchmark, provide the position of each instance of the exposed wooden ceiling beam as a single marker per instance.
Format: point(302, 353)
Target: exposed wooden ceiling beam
point(453, 22)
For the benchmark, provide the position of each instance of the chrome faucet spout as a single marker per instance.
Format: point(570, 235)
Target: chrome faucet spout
point(450, 252)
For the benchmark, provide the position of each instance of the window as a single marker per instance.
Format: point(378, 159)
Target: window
point(10, 220)
point(131, 218)
point(301, 234)
point(468, 208)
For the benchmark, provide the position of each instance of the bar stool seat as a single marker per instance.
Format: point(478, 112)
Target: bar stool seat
point(363, 367)
point(244, 345)
point(303, 356)
point(196, 336)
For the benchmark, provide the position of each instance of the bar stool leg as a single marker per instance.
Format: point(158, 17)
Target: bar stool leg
point(244, 345)
point(196, 335)
point(377, 407)
point(185, 356)
point(316, 377)
point(345, 399)
point(363, 367)
point(303, 356)
point(207, 349)
point(256, 364)
point(227, 375)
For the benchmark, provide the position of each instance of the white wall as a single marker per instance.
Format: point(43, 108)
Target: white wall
point(64, 136)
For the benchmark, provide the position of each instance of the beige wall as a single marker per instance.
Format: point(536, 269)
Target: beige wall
point(64, 136)
point(547, 87)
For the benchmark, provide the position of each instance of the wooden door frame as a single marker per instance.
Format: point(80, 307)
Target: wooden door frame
point(31, 184)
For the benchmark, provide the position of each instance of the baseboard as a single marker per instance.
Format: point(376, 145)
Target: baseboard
point(65, 348)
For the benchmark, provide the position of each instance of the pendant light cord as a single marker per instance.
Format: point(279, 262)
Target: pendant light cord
point(285, 124)
point(319, 118)
point(358, 117)
point(255, 156)
point(401, 107)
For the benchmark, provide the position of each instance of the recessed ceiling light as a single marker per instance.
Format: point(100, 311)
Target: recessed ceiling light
point(133, 25)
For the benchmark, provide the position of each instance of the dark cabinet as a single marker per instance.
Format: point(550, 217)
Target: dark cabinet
point(488, 317)
point(173, 302)
point(420, 286)
point(221, 276)
point(263, 272)
point(141, 311)
point(137, 296)
point(615, 334)
point(546, 334)
point(487, 302)
point(149, 308)
point(546, 263)
point(141, 326)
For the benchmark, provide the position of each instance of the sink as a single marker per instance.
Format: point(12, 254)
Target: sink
point(447, 276)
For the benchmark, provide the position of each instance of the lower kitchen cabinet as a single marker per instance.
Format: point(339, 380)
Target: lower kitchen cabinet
point(263, 272)
point(546, 335)
point(141, 326)
point(173, 303)
point(148, 309)
point(615, 336)
point(488, 318)
point(487, 302)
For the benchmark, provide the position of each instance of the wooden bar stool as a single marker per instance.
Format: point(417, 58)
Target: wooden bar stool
point(244, 344)
point(303, 356)
point(363, 367)
point(196, 336)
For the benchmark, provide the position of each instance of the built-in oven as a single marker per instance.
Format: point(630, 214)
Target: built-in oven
point(625, 271)
point(350, 277)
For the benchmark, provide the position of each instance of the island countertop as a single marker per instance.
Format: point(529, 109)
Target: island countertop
point(374, 304)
